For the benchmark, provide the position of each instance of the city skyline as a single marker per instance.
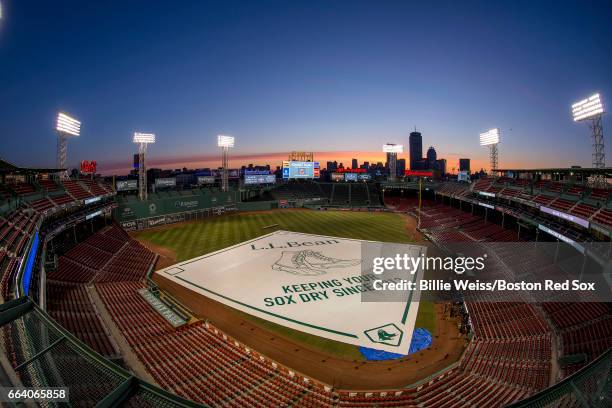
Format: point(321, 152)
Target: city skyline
point(300, 78)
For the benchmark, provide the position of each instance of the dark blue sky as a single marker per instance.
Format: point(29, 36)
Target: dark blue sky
point(292, 75)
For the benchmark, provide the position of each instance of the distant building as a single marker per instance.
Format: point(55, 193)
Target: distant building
point(464, 165)
point(415, 142)
point(432, 156)
point(354, 164)
point(401, 167)
point(391, 165)
point(440, 166)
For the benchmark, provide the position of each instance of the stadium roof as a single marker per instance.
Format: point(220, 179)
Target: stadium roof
point(7, 167)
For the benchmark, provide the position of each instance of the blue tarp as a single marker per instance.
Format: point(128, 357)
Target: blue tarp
point(421, 339)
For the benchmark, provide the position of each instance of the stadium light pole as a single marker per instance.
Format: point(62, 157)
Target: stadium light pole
point(591, 109)
point(142, 140)
point(225, 142)
point(65, 126)
point(491, 138)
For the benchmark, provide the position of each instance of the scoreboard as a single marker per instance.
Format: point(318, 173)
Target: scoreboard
point(300, 170)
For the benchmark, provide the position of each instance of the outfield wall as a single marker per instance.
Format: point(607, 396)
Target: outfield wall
point(172, 203)
point(171, 207)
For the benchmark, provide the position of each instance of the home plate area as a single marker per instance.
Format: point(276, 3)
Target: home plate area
point(311, 283)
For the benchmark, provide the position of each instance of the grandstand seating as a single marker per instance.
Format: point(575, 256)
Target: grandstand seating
point(75, 189)
point(583, 210)
point(562, 204)
point(62, 199)
point(69, 304)
point(42, 204)
point(109, 255)
point(603, 216)
point(48, 185)
point(585, 328)
point(22, 188)
point(95, 188)
point(599, 194)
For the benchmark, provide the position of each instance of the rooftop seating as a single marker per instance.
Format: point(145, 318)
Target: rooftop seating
point(75, 190)
point(22, 188)
point(48, 185)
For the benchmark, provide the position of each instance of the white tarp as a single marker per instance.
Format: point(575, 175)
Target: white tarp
point(306, 282)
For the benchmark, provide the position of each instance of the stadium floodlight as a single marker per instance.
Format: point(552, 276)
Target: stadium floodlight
point(591, 109)
point(143, 140)
point(225, 141)
point(65, 126)
point(489, 137)
point(587, 108)
point(144, 137)
point(393, 148)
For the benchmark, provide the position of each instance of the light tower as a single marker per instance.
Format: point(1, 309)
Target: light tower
point(491, 138)
point(65, 126)
point(591, 110)
point(392, 150)
point(143, 140)
point(224, 142)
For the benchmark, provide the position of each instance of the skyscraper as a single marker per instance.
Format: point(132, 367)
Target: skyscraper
point(415, 142)
point(432, 156)
point(464, 165)
point(354, 164)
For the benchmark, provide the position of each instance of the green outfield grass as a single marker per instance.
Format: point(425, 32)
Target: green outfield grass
point(189, 240)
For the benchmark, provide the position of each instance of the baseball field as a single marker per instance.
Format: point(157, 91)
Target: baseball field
point(179, 242)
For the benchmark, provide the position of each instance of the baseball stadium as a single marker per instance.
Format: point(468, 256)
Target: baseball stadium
point(227, 284)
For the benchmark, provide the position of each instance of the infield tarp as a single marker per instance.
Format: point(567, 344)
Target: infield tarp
point(307, 282)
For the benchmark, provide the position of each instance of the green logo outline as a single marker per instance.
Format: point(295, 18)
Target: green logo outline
point(383, 341)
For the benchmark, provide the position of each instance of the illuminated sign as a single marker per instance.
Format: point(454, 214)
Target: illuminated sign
point(359, 170)
point(93, 214)
point(165, 182)
point(561, 237)
point(350, 176)
point(206, 180)
point(567, 217)
point(489, 206)
point(89, 167)
point(259, 179)
point(337, 177)
point(253, 172)
point(126, 185)
point(393, 148)
point(92, 200)
point(418, 173)
point(299, 170)
point(486, 194)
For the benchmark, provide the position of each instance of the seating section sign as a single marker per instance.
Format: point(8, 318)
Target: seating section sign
point(310, 283)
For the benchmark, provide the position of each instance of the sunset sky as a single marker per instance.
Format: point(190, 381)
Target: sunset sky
point(339, 78)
